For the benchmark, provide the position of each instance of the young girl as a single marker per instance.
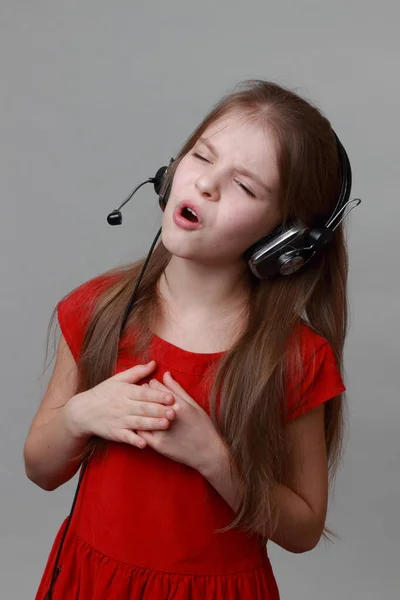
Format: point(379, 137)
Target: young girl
point(208, 420)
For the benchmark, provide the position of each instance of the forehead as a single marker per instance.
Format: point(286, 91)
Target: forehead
point(247, 142)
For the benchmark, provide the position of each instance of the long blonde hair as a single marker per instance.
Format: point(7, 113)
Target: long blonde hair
point(251, 376)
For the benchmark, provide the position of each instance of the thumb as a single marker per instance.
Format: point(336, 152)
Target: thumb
point(135, 373)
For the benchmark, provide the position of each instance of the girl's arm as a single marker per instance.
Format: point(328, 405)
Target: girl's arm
point(50, 446)
point(303, 500)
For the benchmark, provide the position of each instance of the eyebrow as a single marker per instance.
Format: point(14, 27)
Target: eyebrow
point(241, 170)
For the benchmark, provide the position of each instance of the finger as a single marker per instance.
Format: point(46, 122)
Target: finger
point(157, 385)
point(135, 373)
point(133, 439)
point(146, 423)
point(146, 394)
point(177, 389)
point(162, 395)
point(150, 409)
point(147, 437)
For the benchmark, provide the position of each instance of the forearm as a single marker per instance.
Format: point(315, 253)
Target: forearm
point(50, 452)
point(297, 530)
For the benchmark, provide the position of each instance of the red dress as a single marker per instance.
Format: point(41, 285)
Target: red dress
point(144, 525)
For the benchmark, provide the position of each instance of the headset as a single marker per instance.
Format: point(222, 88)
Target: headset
point(286, 249)
point(282, 252)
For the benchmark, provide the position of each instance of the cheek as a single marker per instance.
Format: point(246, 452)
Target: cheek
point(183, 175)
point(176, 193)
point(246, 224)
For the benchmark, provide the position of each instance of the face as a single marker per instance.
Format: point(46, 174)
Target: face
point(230, 180)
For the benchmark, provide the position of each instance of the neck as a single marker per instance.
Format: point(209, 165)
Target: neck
point(195, 288)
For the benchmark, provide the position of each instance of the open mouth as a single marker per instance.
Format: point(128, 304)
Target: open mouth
point(189, 214)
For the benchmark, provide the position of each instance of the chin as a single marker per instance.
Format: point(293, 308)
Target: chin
point(176, 245)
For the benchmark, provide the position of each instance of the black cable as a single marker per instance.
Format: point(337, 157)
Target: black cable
point(57, 567)
point(132, 300)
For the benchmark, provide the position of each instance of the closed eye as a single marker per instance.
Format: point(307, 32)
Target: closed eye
point(249, 192)
point(200, 157)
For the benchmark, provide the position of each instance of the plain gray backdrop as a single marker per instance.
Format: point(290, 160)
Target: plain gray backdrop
point(95, 96)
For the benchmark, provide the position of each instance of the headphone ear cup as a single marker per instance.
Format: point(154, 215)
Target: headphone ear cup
point(270, 256)
point(159, 184)
point(264, 241)
point(158, 179)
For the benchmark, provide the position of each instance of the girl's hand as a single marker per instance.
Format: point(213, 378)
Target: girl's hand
point(117, 406)
point(192, 438)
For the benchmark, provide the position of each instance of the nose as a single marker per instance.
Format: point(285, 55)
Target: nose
point(208, 187)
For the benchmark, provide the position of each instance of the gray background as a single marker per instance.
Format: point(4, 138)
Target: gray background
point(95, 96)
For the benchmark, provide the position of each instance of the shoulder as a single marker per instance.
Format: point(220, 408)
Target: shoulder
point(84, 296)
point(74, 309)
point(314, 375)
point(309, 341)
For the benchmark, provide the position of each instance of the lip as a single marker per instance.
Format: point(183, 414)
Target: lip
point(181, 221)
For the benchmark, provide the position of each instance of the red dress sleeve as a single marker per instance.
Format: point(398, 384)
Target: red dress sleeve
point(75, 309)
point(320, 381)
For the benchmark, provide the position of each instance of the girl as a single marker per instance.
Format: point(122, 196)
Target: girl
point(205, 422)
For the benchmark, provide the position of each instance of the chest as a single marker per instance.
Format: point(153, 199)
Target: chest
point(198, 335)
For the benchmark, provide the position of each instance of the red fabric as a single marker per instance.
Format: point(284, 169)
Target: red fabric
point(144, 525)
